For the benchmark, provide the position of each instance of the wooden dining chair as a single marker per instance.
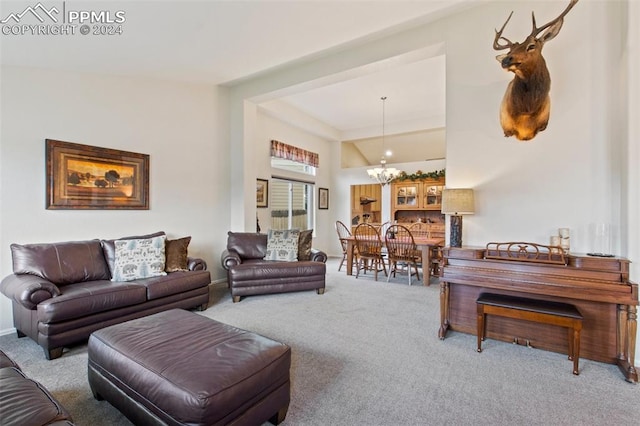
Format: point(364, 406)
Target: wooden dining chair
point(369, 246)
point(402, 250)
point(343, 234)
point(420, 229)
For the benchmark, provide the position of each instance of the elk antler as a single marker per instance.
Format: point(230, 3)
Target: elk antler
point(535, 31)
point(496, 41)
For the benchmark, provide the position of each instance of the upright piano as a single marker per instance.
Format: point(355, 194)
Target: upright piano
point(598, 286)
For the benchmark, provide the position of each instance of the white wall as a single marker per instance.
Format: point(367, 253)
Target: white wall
point(568, 176)
point(631, 220)
point(269, 127)
point(181, 126)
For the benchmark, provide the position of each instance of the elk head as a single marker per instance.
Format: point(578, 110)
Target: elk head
point(526, 104)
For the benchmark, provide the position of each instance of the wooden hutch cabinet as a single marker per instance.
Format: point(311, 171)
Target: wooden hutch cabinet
point(366, 204)
point(418, 201)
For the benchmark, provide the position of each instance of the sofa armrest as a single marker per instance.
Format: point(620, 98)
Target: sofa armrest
point(229, 258)
point(318, 256)
point(196, 264)
point(28, 290)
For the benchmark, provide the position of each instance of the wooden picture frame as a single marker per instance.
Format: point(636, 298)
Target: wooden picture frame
point(262, 193)
point(323, 198)
point(88, 177)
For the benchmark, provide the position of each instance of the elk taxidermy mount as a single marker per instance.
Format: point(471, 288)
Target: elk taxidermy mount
point(526, 104)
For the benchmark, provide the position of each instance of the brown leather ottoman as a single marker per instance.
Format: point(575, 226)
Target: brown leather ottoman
point(177, 367)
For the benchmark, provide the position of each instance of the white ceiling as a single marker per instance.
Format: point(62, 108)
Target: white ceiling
point(415, 95)
point(225, 42)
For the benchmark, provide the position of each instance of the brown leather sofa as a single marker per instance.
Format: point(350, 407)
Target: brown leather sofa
point(248, 274)
point(62, 292)
point(26, 402)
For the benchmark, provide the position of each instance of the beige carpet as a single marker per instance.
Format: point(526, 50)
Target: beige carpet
point(367, 353)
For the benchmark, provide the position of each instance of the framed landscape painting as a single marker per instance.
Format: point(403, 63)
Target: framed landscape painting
point(89, 177)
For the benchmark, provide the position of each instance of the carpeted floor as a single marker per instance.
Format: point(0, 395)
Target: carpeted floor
point(367, 353)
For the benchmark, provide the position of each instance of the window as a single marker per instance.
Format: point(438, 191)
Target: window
point(292, 166)
point(291, 204)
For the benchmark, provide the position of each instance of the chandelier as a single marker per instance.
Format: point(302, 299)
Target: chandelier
point(383, 174)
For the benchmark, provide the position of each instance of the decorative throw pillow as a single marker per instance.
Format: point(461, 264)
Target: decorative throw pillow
point(282, 245)
point(304, 244)
point(176, 254)
point(139, 259)
point(109, 247)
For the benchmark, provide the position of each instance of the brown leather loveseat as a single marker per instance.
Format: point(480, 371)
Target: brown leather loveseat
point(62, 292)
point(26, 402)
point(249, 274)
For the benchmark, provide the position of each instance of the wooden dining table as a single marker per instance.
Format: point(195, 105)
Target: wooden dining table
point(424, 244)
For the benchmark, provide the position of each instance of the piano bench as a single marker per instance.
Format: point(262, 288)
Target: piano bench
point(540, 311)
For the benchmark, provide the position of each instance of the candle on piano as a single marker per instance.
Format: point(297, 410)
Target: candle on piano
point(564, 239)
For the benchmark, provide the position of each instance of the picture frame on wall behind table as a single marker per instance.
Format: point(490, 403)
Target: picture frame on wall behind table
point(93, 178)
point(323, 198)
point(262, 193)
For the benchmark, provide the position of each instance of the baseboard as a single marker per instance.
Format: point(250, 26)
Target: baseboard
point(219, 283)
point(8, 331)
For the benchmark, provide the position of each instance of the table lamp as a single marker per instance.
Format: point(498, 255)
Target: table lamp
point(456, 202)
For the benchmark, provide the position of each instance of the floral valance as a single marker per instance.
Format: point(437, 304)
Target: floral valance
point(290, 152)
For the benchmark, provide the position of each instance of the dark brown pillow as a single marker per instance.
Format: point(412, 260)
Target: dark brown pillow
point(304, 244)
point(176, 253)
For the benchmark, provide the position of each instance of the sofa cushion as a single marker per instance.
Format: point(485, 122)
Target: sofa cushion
point(304, 244)
point(27, 402)
point(259, 272)
point(174, 283)
point(137, 259)
point(282, 244)
point(61, 263)
point(90, 298)
point(248, 245)
point(176, 254)
point(109, 248)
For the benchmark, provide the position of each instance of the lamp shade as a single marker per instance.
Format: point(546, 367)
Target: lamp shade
point(458, 201)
